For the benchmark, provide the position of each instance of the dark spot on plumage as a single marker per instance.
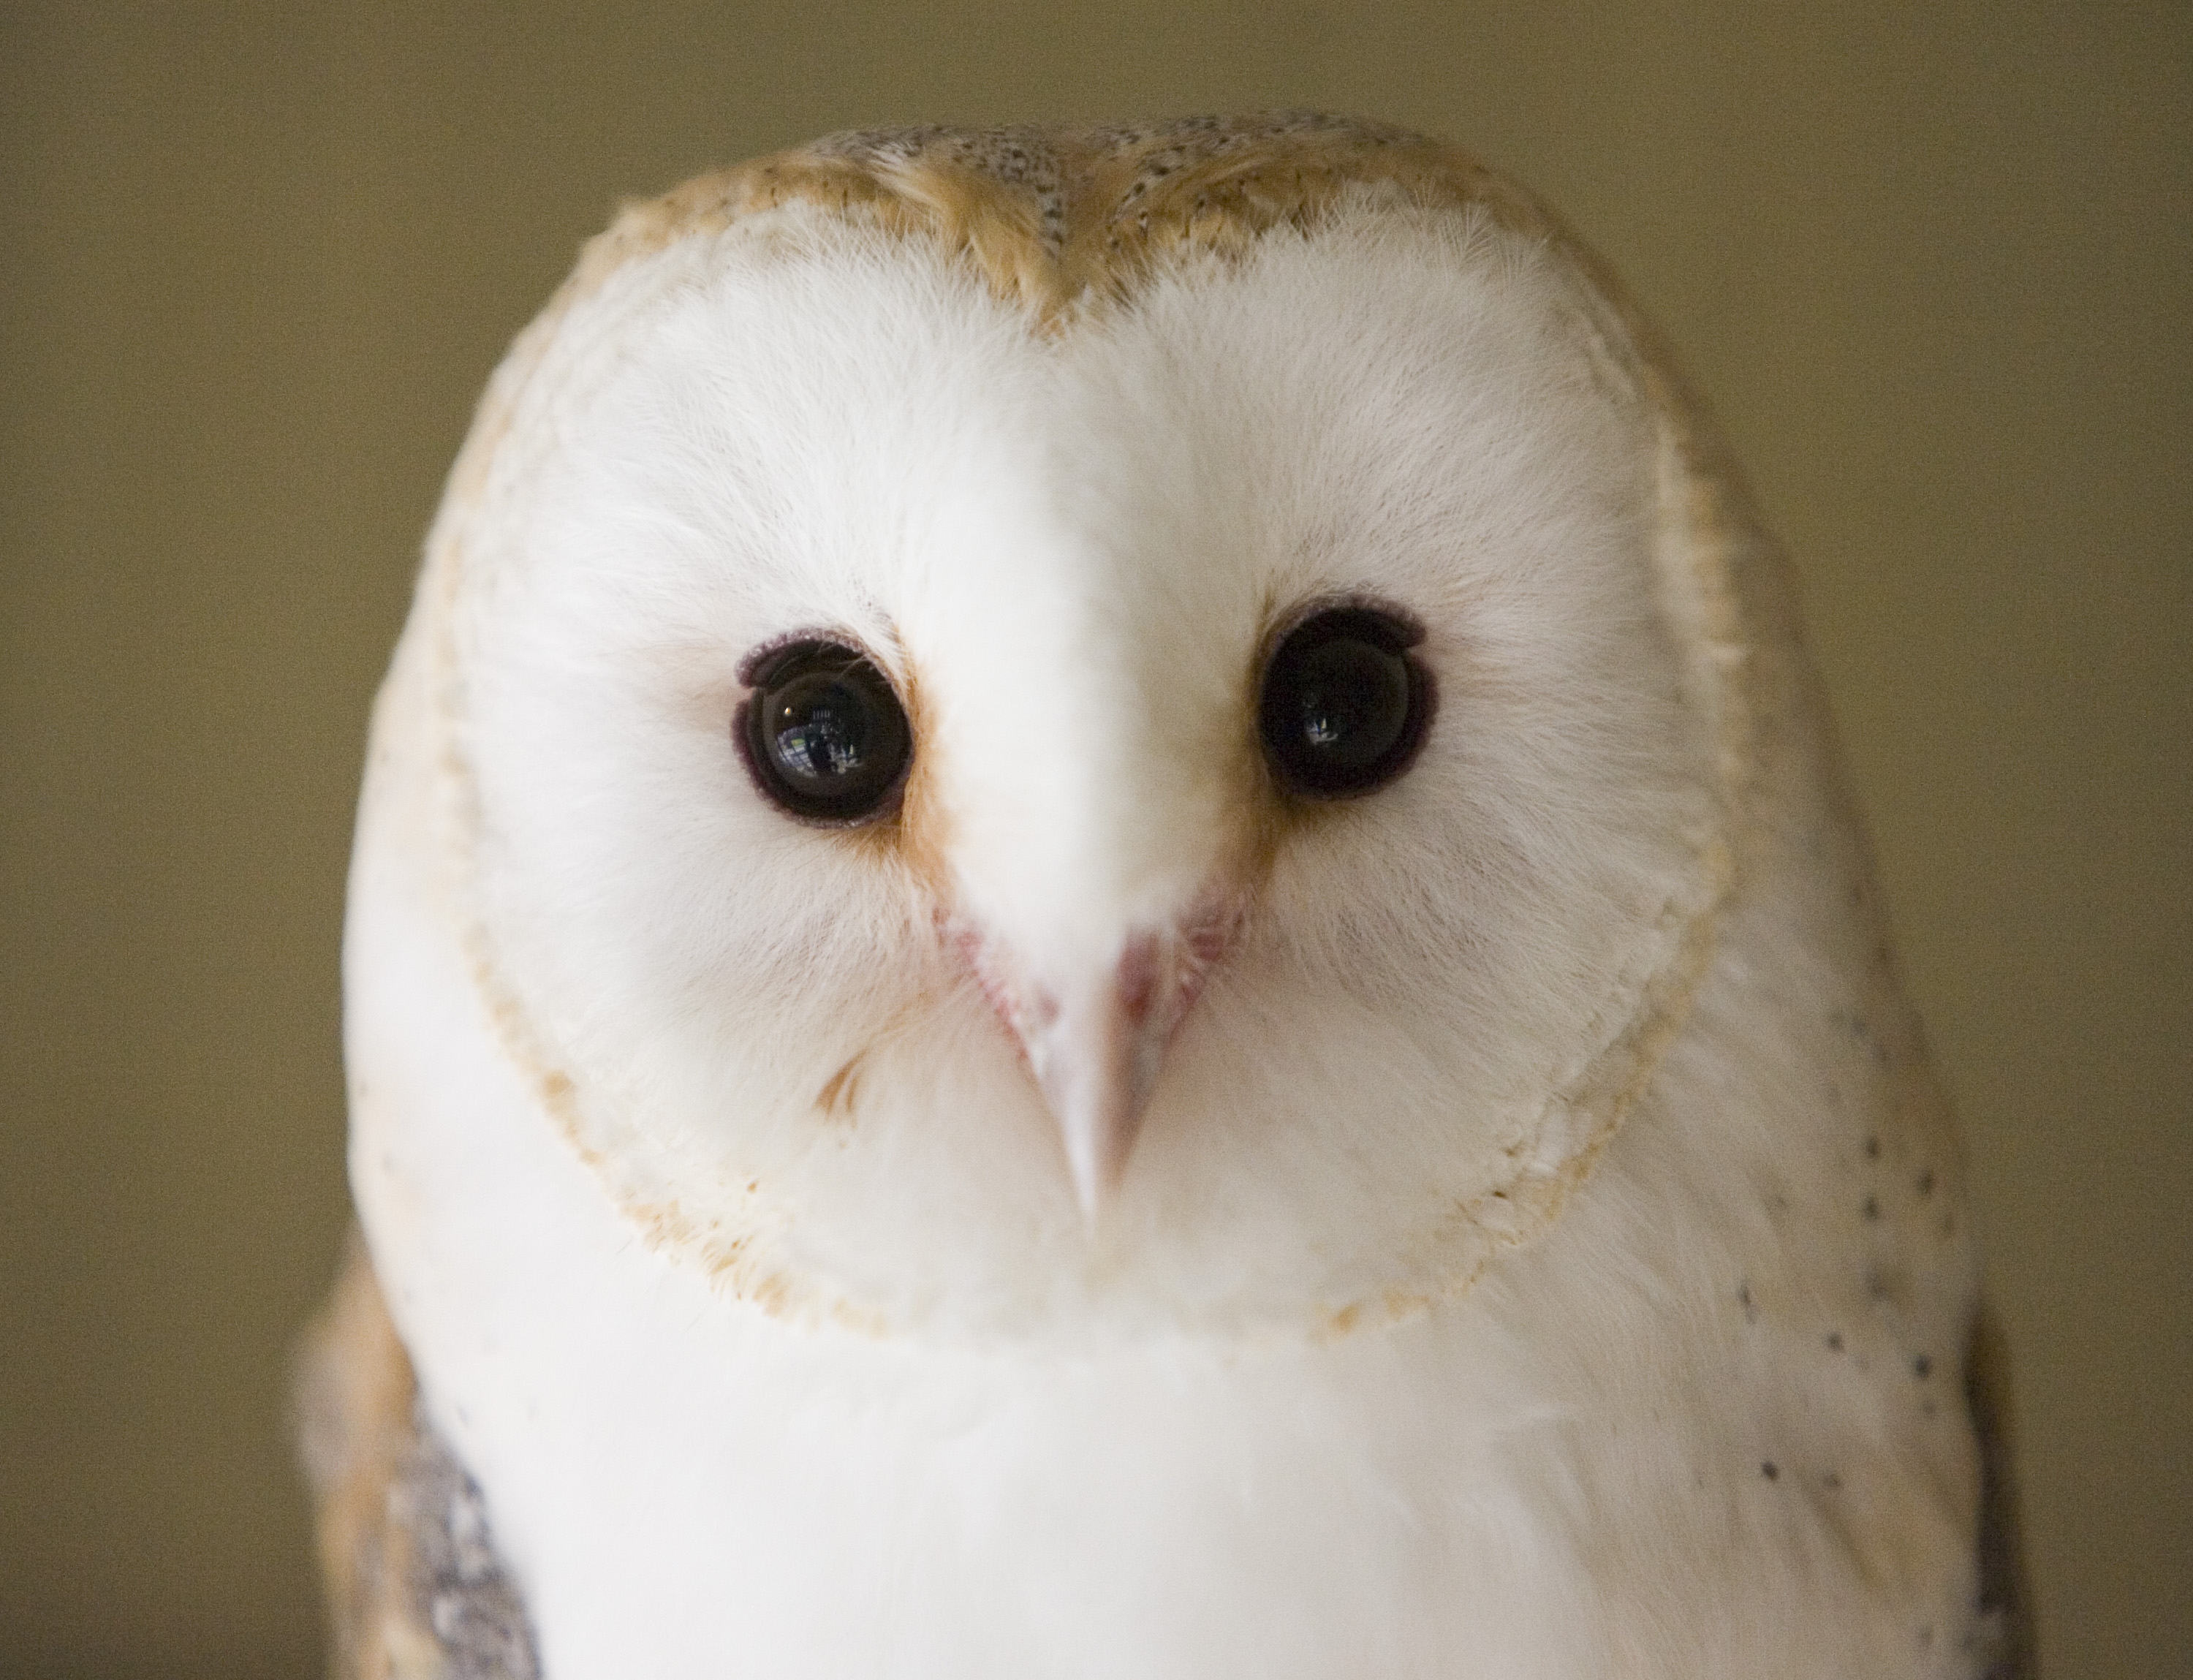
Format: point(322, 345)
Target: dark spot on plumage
point(1925, 1185)
point(1860, 1029)
point(1922, 1367)
point(1835, 1341)
point(1873, 1149)
point(1887, 1284)
point(1770, 1470)
point(1831, 1482)
point(1870, 1207)
point(1750, 1307)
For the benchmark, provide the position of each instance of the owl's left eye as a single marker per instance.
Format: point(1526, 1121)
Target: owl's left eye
point(1343, 705)
point(823, 734)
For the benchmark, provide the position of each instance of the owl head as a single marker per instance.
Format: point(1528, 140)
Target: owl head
point(1135, 727)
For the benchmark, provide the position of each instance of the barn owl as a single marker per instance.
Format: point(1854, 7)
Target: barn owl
point(1103, 926)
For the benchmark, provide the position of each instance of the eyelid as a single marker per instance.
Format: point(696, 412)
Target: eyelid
point(762, 661)
point(1392, 614)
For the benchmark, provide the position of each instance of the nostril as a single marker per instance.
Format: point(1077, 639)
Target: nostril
point(1138, 977)
point(1022, 1008)
point(1208, 936)
point(1152, 982)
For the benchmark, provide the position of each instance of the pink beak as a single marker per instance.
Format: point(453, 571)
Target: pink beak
point(1094, 1047)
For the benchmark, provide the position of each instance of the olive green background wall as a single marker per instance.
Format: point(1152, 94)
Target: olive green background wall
point(1932, 262)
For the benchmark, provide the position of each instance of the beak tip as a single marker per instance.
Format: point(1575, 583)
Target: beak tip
point(1094, 1048)
point(1096, 1151)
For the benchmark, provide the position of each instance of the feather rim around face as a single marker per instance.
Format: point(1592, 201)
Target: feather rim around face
point(1069, 223)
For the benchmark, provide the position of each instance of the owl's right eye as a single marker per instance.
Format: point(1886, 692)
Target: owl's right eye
point(823, 734)
point(1344, 704)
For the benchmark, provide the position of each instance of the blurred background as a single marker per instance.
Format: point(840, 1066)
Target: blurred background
point(1933, 264)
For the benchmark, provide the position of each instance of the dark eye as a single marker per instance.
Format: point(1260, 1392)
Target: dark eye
point(1343, 706)
point(823, 735)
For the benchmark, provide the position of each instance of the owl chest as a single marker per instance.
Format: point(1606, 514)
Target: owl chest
point(776, 1504)
point(843, 1510)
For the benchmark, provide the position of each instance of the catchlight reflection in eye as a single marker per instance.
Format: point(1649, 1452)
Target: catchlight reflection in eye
point(1343, 706)
point(823, 734)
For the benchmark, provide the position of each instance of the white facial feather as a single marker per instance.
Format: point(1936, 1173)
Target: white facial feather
point(1072, 552)
point(725, 1219)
